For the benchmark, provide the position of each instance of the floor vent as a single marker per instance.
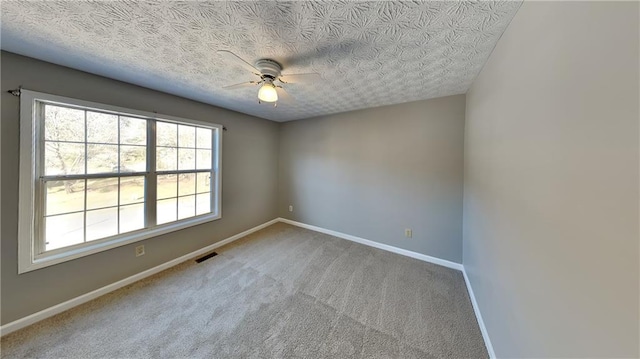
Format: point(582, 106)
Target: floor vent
point(206, 256)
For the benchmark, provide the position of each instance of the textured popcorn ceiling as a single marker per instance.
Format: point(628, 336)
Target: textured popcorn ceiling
point(368, 53)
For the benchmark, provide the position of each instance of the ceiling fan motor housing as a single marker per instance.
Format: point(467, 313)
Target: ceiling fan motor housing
point(268, 68)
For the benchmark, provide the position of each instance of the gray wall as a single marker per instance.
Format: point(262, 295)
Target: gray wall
point(551, 183)
point(249, 190)
point(372, 173)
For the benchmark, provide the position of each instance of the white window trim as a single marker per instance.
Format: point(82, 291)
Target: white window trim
point(28, 259)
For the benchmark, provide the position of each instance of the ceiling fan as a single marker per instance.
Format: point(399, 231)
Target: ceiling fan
point(269, 72)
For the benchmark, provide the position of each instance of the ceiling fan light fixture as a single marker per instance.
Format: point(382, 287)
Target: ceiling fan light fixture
point(268, 93)
point(268, 71)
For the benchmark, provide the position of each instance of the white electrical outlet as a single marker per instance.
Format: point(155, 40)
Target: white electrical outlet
point(408, 233)
point(290, 208)
point(139, 251)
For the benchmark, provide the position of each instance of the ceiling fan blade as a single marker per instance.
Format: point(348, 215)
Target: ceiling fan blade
point(232, 58)
point(283, 95)
point(240, 85)
point(299, 78)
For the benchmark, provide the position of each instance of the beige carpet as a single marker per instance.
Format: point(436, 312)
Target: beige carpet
point(283, 292)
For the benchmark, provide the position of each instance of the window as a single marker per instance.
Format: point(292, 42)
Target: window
point(93, 177)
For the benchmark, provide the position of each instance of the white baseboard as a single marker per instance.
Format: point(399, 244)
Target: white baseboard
point(59, 308)
point(476, 309)
point(386, 247)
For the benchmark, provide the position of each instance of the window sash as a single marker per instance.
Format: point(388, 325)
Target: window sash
point(32, 254)
point(40, 223)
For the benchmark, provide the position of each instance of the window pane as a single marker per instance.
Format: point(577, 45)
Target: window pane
point(203, 159)
point(167, 186)
point(166, 210)
point(166, 159)
point(102, 223)
point(186, 136)
point(102, 127)
point(63, 158)
point(64, 196)
point(133, 131)
point(131, 190)
point(133, 158)
point(203, 203)
point(186, 207)
point(204, 182)
point(65, 230)
point(102, 158)
point(131, 217)
point(63, 124)
point(186, 159)
point(166, 134)
point(186, 184)
point(102, 193)
point(203, 137)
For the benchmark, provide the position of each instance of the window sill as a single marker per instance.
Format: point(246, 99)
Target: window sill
point(49, 259)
